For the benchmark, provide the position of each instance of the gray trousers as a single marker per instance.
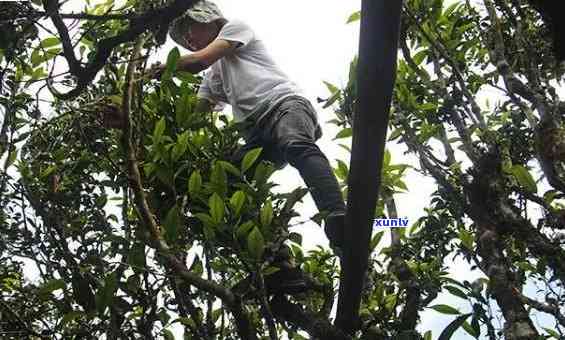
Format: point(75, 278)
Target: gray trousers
point(288, 135)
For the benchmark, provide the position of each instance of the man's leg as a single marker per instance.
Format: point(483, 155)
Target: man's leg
point(289, 279)
point(295, 135)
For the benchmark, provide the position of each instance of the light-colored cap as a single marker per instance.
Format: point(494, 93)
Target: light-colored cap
point(203, 11)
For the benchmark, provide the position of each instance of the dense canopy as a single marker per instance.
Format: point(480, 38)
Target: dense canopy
point(145, 232)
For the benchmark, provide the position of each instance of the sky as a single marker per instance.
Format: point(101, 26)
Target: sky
point(312, 43)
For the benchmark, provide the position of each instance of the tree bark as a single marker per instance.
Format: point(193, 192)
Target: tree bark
point(380, 23)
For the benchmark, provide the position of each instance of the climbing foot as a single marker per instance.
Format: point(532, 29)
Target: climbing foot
point(334, 227)
point(288, 279)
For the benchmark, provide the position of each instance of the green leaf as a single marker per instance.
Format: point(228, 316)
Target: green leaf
point(345, 133)
point(390, 301)
point(38, 73)
point(270, 270)
point(292, 198)
point(395, 134)
point(159, 130)
point(183, 106)
point(418, 58)
point(295, 237)
point(550, 196)
point(219, 180)
point(38, 57)
point(194, 183)
point(342, 170)
point(168, 335)
point(456, 291)
point(180, 146)
point(474, 332)
point(250, 158)
point(216, 208)
point(196, 266)
point(428, 335)
point(244, 229)
point(386, 159)
point(450, 9)
point(50, 42)
point(230, 168)
point(453, 326)
point(51, 286)
point(416, 225)
point(266, 214)
point(172, 224)
point(133, 283)
point(216, 314)
point(354, 17)
point(332, 99)
point(445, 309)
point(11, 157)
point(171, 65)
point(263, 172)
point(553, 333)
point(136, 256)
point(236, 201)
point(206, 219)
point(105, 294)
point(400, 185)
point(186, 321)
point(466, 238)
point(428, 106)
point(255, 244)
point(376, 239)
point(48, 171)
point(70, 317)
point(331, 87)
point(524, 178)
point(50, 54)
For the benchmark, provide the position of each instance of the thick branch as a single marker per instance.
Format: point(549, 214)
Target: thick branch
point(488, 204)
point(543, 307)
point(380, 24)
point(317, 327)
point(52, 7)
point(409, 315)
point(83, 16)
point(498, 57)
point(150, 20)
point(518, 324)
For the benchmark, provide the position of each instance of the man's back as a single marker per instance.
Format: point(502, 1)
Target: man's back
point(248, 79)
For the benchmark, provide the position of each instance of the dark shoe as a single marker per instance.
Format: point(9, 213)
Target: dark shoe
point(334, 227)
point(287, 280)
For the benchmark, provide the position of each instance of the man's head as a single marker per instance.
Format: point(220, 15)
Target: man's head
point(198, 27)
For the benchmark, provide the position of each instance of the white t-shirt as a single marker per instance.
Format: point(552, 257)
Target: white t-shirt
point(248, 80)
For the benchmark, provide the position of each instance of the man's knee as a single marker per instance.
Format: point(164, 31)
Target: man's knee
point(294, 150)
point(268, 153)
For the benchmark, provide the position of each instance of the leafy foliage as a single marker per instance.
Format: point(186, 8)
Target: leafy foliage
point(68, 209)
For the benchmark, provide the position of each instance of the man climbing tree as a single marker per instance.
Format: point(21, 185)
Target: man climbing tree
point(270, 109)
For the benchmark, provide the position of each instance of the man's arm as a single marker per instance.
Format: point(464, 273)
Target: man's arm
point(201, 60)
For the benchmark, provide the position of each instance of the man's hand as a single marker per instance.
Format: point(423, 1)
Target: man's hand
point(197, 61)
point(155, 71)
